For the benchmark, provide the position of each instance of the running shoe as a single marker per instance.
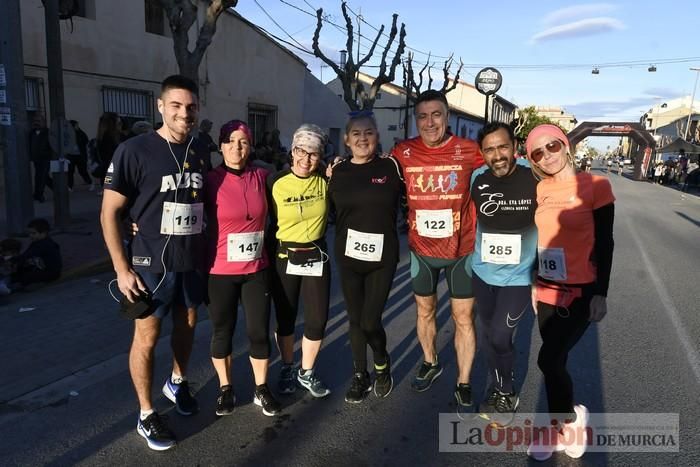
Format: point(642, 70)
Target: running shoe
point(577, 448)
point(505, 407)
point(180, 395)
point(360, 386)
point(383, 381)
point(427, 373)
point(463, 394)
point(157, 435)
point(286, 383)
point(225, 402)
point(542, 446)
point(264, 398)
point(312, 383)
point(488, 406)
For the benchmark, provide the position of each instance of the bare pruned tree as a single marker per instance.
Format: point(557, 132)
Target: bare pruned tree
point(182, 14)
point(413, 87)
point(348, 75)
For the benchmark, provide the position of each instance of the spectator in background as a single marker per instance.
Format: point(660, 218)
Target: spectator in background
point(264, 150)
point(280, 155)
point(657, 172)
point(9, 249)
point(205, 139)
point(40, 154)
point(41, 261)
point(109, 135)
point(141, 127)
point(78, 160)
point(329, 152)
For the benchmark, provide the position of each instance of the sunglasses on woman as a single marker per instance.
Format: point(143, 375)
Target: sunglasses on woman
point(551, 147)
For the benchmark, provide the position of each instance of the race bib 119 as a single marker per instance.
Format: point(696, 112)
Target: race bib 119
point(181, 218)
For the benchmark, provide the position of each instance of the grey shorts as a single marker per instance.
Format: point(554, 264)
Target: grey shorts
point(425, 272)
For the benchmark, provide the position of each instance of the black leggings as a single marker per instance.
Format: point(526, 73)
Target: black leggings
point(225, 291)
point(365, 296)
point(499, 310)
point(315, 293)
point(561, 328)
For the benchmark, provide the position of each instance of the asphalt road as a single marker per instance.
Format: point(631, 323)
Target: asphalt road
point(66, 398)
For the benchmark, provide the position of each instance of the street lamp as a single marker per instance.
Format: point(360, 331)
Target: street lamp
point(692, 101)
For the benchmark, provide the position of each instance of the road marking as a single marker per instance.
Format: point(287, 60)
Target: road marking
point(668, 305)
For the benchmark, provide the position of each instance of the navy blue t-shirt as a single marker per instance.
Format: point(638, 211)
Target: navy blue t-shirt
point(145, 171)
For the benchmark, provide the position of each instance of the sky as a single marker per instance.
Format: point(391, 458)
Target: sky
point(545, 50)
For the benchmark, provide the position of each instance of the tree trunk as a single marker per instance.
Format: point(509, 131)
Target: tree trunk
point(182, 14)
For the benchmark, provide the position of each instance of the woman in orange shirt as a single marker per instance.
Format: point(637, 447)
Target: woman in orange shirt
point(574, 218)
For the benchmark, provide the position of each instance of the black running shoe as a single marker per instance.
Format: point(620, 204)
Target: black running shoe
point(506, 405)
point(287, 380)
point(180, 395)
point(383, 382)
point(488, 406)
point(157, 435)
point(264, 398)
point(360, 386)
point(427, 373)
point(463, 394)
point(225, 402)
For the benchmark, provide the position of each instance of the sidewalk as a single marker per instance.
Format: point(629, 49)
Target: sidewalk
point(82, 246)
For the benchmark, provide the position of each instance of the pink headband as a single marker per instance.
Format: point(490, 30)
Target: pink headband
point(229, 127)
point(545, 129)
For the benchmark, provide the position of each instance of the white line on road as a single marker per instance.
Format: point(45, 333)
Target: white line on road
point(671, 310)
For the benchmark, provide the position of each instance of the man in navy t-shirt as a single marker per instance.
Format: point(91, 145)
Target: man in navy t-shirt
point(157, 178)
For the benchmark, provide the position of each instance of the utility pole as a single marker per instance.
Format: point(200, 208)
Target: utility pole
point(692, 102)
point(54, 61)
point(407, 88)
point(19, 207)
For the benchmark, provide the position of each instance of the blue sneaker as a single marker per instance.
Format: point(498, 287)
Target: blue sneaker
point(311, 383)
point(157, 435)
point(180, 395)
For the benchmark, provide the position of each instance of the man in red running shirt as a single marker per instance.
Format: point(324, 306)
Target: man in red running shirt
point(437, 169)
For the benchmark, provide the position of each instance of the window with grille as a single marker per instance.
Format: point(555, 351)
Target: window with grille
point(34, 97)
point(261, 118)
point(131, 105)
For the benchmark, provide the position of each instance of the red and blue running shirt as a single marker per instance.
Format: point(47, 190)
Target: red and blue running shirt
point(441, 215)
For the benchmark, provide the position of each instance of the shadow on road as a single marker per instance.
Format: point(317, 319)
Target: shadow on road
point(688, 218)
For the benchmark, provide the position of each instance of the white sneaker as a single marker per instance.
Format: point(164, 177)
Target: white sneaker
point(578, 448)
point(541, 450)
